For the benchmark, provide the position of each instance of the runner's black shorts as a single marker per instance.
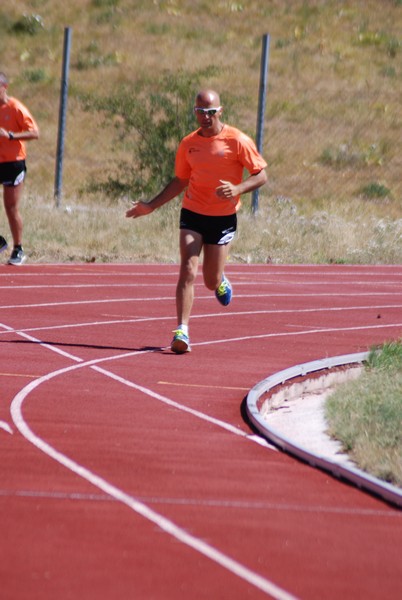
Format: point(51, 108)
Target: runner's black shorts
point(12, 173)
point(214, 230)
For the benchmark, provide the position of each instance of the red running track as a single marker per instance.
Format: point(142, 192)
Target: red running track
point(129, 472)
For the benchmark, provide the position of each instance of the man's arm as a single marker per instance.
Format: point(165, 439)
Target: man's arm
point(173, 189)
point(31, 134)
point(229, 190)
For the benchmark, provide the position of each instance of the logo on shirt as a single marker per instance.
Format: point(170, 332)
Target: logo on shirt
point(190, 150)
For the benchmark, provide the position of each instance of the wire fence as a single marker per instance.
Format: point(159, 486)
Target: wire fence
point(323, 141)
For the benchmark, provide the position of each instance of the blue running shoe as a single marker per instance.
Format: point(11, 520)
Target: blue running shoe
point(224, 291)
point(3, 244)
point(180, 343)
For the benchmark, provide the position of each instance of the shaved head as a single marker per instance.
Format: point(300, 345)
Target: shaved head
point(206, 98)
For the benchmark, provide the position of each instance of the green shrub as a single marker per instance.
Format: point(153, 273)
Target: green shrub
point(35, 75)
point(104, 3)
point(91, 58)
point(28, 24)
point(354, 155)
point(150, 127)
point(375, 190)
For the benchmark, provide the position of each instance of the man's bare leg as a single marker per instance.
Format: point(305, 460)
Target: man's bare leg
point(12, 196)
point(190, 249)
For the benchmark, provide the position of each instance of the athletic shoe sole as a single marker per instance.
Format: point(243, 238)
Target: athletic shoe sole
point(180, 346)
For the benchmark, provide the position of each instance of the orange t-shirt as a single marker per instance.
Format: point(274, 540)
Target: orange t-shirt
point(204, 161)
point(15, 117)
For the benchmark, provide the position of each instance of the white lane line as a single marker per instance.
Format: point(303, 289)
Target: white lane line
point(54, 495)
point(211, 502)
point(137, 506)
point(6, 427)
point(85, 272)
point(51, 347)
point(83, 302)
point(219, 341)
point(78, 286)
point(88, 324)
point(298, 311)
point(296, 333)
point(133, 270)
point(92, 363)
point(23, 375)
point(181, 407)
point(208, 296)
point(236, 284)
point(200, 385)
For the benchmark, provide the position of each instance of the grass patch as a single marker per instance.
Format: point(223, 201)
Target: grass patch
point(330, 117)
point(282, 232)
point(375, 190)
point(366, 415)
point(332, 128)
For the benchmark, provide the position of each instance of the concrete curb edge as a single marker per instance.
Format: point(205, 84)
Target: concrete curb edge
point(355, 476)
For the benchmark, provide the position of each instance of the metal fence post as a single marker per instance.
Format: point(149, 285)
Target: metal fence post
point(261, 106)
point(62, 115)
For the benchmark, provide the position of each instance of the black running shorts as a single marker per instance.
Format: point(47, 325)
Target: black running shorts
point(214, 230)
point(12, 173)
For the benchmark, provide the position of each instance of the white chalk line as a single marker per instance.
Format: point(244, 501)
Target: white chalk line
point(6, 427)
point(137, 506)
point(78, 286)
point(215, 503)
point(203, 316)
point(92, 363)
point(131, 270)
point(51, 347)
point(237, 283)
point(165, 524)
point(212, 553)
point(181, 407)
point(200, 297)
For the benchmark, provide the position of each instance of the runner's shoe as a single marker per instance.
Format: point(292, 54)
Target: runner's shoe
point(18, 257)
point(180, 343)
point(224, 292)
point(3, 244)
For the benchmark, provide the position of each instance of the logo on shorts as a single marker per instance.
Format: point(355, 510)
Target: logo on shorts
point(20, 178)
point(227, 237)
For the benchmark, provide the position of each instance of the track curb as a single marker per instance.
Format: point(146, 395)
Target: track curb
point(353, 475)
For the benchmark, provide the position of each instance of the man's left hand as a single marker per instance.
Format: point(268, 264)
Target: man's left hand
point(226, 190)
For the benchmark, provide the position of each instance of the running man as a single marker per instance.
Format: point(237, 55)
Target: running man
point(209, 167)
point(16, 127)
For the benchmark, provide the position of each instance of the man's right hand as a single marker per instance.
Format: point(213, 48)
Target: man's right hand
point(139, 209)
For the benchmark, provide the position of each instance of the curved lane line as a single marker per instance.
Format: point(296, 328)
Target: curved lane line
point(140, 508)
point(92, 363)
point(211, 315)
point(4, 425)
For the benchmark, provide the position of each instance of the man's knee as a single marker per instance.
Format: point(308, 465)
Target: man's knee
point(212, 281)
point(188, 273)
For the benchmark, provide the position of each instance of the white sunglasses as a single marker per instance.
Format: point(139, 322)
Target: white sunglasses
point(207, 111)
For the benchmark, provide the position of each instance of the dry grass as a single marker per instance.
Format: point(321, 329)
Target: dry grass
point(335, 83)
point(366, 414)
point(279, 233)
